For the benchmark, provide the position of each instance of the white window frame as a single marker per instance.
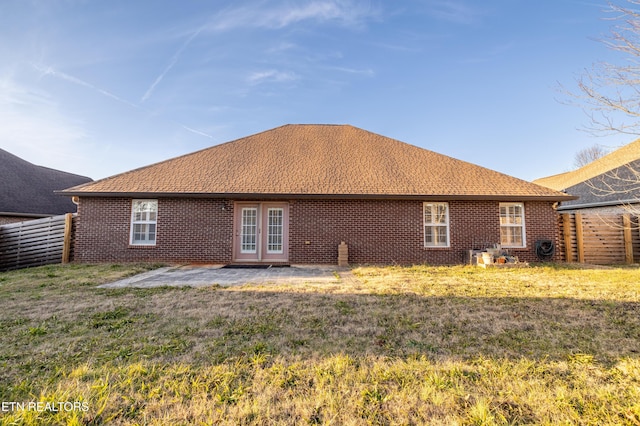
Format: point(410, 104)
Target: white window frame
point(505, 222)
point(273, 227)
point(252, 240)
point(433, 225)
point(147, 221)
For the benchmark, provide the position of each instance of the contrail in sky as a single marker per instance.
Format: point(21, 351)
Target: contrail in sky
point(72, 79)
point(197, 132)
point(75, 80)
point(174, 59)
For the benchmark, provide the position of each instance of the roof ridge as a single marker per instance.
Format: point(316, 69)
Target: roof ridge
point(617, 158)
point(62, 171)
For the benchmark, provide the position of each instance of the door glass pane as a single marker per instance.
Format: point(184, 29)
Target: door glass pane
point(249, 228)
point(275, 227)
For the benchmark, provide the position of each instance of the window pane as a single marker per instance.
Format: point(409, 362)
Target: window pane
point(442, 236)
point(274, 230)
point(511, 235)
point(517, 215)
point(512, 224)
point(144, 233)
point(137, 233)
point(428, 236)
point(435, 213)
point(511, 214)
point(504, 236)
point(441, 213)
point(436, 224)
point(249, 230)
point(435, 236)
point(143, 221)
point(427, 214)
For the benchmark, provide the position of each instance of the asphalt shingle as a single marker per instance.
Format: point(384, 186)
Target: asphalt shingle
point(618, 158)
point(29, 189)
point(317, 160)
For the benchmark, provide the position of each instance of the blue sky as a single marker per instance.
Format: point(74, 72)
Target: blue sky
point(101, 87)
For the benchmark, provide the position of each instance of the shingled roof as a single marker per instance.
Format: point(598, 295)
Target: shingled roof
point(618, 158)
point(317, 161)
point(28, 190)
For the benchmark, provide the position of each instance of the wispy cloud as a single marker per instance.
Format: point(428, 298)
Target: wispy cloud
point(275, 16)
point(346, 12)
point(174, 60)
point(366, 72)
point(281, 47)
point(455, 11)
point(273, 76)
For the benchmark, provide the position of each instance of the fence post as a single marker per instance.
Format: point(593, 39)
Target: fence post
point(566, 231)
point(66, 247)
point(628, 242)
point(579, 237)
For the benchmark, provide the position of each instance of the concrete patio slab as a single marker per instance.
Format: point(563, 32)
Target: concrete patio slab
point(202, 276)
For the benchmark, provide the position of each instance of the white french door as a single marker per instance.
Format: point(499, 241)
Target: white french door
point(261, 232)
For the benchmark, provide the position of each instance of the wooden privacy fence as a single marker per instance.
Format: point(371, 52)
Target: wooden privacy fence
point(600, 239)
point(36, 242)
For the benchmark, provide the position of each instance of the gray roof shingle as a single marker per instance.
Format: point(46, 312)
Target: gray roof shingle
point(29, 189)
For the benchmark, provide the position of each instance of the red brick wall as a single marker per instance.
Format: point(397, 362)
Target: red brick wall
point(188, 230)
point(392, 231)
point(376, 231)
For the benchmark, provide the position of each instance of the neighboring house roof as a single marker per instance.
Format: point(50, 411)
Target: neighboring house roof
point(611, 161)
point(620, 186)
point(611, 180)
point(28, 190)
point(317, 160)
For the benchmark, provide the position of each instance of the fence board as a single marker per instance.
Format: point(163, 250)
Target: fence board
point(599, 239)
point(34, 242)
point(567, 240)
point(579, 237)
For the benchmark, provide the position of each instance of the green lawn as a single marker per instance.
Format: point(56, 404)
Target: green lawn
point(404, 345)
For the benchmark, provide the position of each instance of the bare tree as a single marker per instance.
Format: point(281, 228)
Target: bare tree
point(589, 155)
point(610, 94)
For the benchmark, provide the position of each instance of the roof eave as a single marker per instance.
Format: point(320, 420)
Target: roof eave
point(256, 195)
point(28, 215)
point(598, 204)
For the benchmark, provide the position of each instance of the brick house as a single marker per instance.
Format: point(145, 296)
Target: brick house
point(293, 193)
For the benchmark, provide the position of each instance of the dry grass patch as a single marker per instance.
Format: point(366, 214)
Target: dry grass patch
point(399, 345)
